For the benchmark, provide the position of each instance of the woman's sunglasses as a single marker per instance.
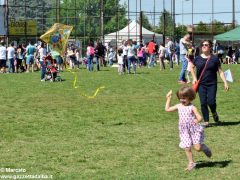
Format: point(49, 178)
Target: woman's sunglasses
point(206, 45)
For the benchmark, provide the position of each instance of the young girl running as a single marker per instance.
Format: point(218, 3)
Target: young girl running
point(190, 131)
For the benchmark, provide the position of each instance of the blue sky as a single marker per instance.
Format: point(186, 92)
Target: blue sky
point(222, 10)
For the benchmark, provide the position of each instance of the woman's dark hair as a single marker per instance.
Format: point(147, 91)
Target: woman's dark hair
point(209, 42)
point(186, 92)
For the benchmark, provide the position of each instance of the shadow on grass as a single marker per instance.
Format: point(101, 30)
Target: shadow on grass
point(220, 164)
point(104, 70)
point(142, 72)
point(234, 123)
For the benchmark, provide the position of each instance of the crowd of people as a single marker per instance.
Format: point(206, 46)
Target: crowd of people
point(129, 55)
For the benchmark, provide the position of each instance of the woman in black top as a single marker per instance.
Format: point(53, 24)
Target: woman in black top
point(208, 84)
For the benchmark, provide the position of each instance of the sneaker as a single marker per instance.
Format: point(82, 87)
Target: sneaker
point(42, 80)
point(216, 117)
point(206, 150)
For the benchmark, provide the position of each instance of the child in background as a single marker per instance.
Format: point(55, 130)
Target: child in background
point(190, 131)
point(120, 61)
point(78, 58)
point(189, 57)
point(111, 56)
point(140, 55)
point(162, 52)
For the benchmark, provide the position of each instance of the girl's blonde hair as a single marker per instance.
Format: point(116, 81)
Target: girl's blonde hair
point(186, 92)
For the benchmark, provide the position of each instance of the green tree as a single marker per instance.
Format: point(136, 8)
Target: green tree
point(85, 17)
point(169, 25)
point(202, 27)
point(145, 22)
point(180, 31)
point(218, 26)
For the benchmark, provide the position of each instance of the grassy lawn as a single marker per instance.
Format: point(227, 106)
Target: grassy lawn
point(124, 133)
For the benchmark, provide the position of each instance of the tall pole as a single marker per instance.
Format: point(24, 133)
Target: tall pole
point(75, 20)
point(182, 15)
point(140, 5)
point(140, 30)
point(233, 13)
point(154, 11)
point(57, 10)
point(128, 21)
point(174, 20)
point(102, 22)
point(212, 18)
point(25, 16)
point(192, 25)
point(136, 20)
point(7, 23)
point(164, 22)
point(84, 32)
point(116, 6)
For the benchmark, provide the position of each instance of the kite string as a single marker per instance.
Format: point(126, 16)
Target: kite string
point(83, 94)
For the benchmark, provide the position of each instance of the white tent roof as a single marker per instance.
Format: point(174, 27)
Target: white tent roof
point(134, 32)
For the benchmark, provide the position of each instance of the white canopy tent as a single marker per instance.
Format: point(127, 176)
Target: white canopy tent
point(134, 33)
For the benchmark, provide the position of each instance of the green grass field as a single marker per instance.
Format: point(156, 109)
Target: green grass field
point(124, 133)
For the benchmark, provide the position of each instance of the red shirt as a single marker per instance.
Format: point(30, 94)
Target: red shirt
point(151, 47)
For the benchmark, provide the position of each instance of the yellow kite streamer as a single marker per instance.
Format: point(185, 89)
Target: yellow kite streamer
point(57, 37)
point(82, 94)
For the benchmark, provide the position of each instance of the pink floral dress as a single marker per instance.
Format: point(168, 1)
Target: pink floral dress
point(189, 132)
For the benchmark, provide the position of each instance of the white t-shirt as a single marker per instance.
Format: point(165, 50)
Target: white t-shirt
point(3, 52)
point(42, 53)
point(162, 51)
point(77, 56)
point(183, 49)
point(11, 52)
point(130, 51)
point(120, 59)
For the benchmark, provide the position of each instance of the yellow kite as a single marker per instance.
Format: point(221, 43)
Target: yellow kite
point(57, 37)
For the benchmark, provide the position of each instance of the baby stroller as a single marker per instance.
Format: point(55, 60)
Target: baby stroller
point(52, 71)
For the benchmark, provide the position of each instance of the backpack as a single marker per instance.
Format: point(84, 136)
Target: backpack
point(172, 47)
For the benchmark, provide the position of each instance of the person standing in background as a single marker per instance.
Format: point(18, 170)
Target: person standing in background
point(31, 49)
point(151, 51)
point(183, 44)
point(177, 53)
point(10, 57)
point(3, 57)
point(20, 52)
point(162, 53)
point(171, 50)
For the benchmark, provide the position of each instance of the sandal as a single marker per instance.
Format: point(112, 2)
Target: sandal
point(190, 166)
